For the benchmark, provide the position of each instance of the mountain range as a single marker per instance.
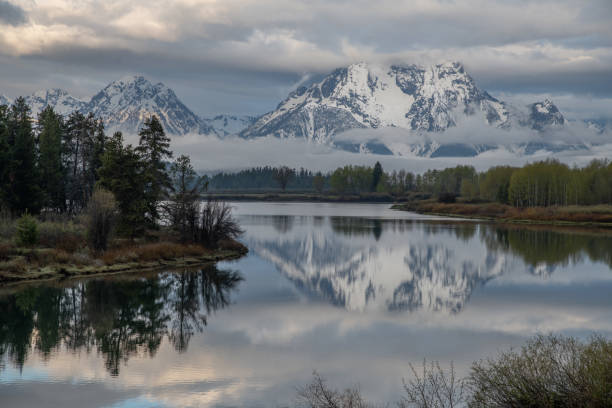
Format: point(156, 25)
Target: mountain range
point(423, 102)
point(123, 105)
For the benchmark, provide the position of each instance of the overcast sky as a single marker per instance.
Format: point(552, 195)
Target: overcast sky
point(243, 56)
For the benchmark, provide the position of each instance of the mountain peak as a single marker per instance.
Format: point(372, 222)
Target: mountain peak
point(372, 96)
point(126, 103)
point(544, 114)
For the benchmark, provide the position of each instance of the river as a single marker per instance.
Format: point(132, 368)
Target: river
point(353, 291)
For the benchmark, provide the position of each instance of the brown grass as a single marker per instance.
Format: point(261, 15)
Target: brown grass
point(64, 235)
point(152, 252)
point(573, 214)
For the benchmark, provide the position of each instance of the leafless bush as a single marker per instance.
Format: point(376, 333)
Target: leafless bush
point(101, 217)
point(549, 371)
point(216, 224)
point(433, 388)
point(318, 395)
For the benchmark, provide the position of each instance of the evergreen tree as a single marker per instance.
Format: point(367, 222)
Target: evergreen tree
point(377, 175)
point(4, 154)
point(122, 174)
point(50, 126)
point(24, 193)
point(154, 149)
point(182, 206)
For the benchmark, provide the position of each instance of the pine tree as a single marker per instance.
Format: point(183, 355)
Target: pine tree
point(50, 126)
point(377, 174)
point(4, 154)
point(182, 204)
point(24, 193)
point(122, 174)
point(154, 149)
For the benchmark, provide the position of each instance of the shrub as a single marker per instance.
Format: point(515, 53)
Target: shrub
point(318, 394)
point(433, 387)
point(216, 224)
point(27, 230)
point(447, 197)
point(101, 216)
point(62, 235)
point(549, 371)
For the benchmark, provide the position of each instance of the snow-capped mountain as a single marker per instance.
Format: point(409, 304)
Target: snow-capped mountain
point(126, 103)
point(225, 125)
point(369, 96)
point(61, 101)
point(422, 100)
point(544, 114)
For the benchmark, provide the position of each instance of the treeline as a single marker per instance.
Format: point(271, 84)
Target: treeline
point(541, 184)
point(262, 178)
point(54, 165)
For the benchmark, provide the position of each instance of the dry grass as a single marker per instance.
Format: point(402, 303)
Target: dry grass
point(152, 252)
point(64, 235)
point(574, 214)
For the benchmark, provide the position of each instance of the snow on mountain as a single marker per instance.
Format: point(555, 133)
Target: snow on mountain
point(125, 104)
point(61, 101)
point(225, 125)
point(544, 114)
point(370, 96)
point(349, 269)
point(426, 101)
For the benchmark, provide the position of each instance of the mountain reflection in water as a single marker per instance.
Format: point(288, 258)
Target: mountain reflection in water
point(422, 265)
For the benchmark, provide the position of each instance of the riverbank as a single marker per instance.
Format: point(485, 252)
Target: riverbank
point(306, 197)
point(596, 215)
point(20, 265)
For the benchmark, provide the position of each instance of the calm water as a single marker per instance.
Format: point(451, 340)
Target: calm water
point(354, 291)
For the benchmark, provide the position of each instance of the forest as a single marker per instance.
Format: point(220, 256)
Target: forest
point(540, 184)
point(71, 194)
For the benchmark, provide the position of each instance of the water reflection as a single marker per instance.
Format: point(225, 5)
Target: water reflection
point(406, 265)
point(354, 291)
point(116, 318)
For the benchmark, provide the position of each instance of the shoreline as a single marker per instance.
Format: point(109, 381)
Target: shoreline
point(63, 271)
point(586, 216)
point(306, 197)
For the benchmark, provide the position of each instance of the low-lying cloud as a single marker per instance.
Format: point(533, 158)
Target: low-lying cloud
point(210, 154)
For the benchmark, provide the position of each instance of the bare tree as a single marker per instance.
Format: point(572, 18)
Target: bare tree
point(318, 395)
point(433, 388)
point(216, 223)
point(101, 217)
point(283, 176)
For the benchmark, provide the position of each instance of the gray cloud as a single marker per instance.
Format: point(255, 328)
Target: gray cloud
point(11, 14)
point(243, 56)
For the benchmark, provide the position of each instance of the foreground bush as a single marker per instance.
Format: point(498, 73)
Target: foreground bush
point(216, 224)
point(27, 230)
point(101, 216)
point(62, 234)
point(547, 372)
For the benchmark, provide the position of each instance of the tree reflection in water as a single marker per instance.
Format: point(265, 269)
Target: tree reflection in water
point(117, 318)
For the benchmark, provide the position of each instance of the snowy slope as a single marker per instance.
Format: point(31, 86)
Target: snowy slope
point(370, 96)
point(225, 125)
point(425, 101)
point(61, 101)
point(126, 103)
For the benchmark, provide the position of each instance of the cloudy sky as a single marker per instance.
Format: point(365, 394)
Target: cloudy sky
point(243, 56)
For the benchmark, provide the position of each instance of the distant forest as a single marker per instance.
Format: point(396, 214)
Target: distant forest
point(540, 184)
